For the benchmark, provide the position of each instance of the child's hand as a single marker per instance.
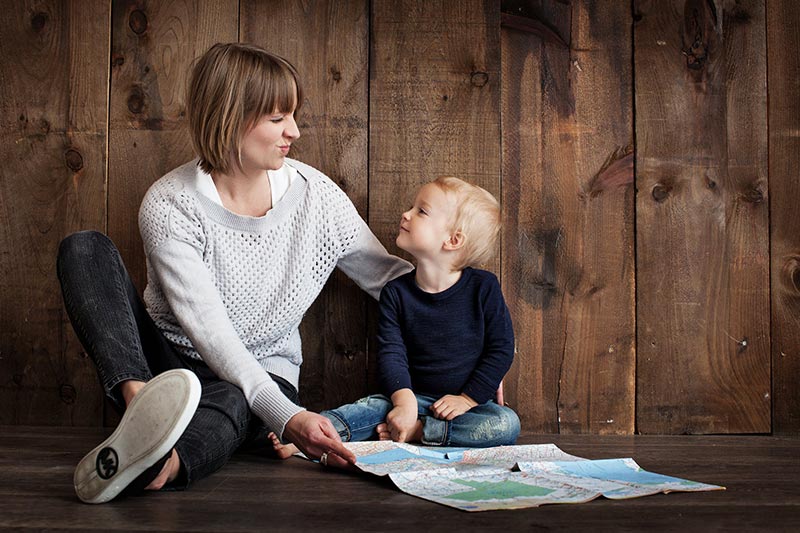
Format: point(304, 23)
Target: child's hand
point(401, 422)
point(448, 407)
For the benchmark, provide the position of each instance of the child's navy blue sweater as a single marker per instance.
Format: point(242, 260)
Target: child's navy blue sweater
point(457, 341)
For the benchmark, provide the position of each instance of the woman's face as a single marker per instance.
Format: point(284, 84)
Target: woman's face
point(266, 145)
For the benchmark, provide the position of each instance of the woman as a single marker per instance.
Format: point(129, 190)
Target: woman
point(238, 244)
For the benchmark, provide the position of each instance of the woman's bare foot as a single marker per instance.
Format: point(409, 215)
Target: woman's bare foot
point(283, 451)
point(168, 473)
point(414, 436)
point(129, 389)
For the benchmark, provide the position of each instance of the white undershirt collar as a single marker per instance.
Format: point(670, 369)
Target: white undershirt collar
point(279, 182)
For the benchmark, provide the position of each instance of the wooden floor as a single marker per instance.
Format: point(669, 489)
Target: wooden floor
point(255, 493)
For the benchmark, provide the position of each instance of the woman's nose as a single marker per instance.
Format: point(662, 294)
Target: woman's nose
point(291, 131)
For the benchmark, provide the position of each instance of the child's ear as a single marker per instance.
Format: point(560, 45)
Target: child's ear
point(455, 241)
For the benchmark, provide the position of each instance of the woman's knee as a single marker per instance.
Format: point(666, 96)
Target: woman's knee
point(84, 246)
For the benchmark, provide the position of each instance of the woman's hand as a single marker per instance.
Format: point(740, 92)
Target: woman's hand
point(314, 435)
point(448, 406)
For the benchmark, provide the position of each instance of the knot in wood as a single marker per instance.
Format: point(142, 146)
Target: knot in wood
point(67, 394)
point(696, 55)
point(478, 78)
point(136, 101)
point(790, 274)
point(137, 22)
point(117, 61)
point(38, 21)
point(660, 192)
point(753, 195)
point(336, 75)
point(74, 160)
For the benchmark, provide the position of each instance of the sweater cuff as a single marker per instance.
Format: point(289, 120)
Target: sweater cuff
point(389, 387)
point(275, 409)
point(480, 394)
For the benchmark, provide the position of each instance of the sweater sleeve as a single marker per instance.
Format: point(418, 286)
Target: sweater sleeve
point(369, 264)
point(498, 347)
point(195, 302)
point(393, 373)
point(173, 245)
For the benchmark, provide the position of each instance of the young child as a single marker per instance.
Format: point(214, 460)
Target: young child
point(445, 336)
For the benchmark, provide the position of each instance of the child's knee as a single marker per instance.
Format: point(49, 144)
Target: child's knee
point(511, 425)
point(500, 428)
point(378, 401)
point(506, 427)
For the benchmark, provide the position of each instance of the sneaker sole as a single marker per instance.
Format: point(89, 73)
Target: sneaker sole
point(150, 427)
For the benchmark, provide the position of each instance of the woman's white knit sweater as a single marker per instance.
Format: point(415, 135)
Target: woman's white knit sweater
point(232, 290)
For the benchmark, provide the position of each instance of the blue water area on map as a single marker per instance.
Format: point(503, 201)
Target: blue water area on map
point(615, 470)
point(399, 454)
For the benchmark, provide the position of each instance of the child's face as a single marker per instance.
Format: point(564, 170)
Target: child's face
point(425, 228)
point(266, 145)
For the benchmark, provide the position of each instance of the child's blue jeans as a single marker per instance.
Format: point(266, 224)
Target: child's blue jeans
point(482, 426)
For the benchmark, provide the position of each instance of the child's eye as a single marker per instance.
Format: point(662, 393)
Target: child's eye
point(422, 211)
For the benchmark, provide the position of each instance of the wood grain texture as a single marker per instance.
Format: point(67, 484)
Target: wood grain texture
point(434, 102)
point(153, 46)
point(252, 490)
point(702, 220)
point(327, 41)
point(53, 116)
point(783, 40)
point(568, 270)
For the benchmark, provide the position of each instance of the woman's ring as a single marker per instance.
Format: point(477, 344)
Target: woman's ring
point(323, 459)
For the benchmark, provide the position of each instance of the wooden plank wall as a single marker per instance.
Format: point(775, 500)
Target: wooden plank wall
point(650, 251)
point(702, 217)
point(783, 39)
point(568, 197)
point(53, 137)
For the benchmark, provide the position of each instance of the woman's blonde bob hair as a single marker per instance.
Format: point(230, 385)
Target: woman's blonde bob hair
point(478, 219)
point(231, 87)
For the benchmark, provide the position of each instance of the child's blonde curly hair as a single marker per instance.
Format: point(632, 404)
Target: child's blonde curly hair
point(477, 218)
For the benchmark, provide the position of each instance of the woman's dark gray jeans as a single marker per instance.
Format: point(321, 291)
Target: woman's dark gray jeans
point(114, 327)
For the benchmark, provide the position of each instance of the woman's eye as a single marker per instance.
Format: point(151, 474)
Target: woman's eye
point(275, 120)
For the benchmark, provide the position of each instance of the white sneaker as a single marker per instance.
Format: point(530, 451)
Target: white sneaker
point(150, 427)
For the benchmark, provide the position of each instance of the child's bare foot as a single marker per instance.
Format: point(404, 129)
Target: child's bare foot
point(414, 436)
point(283, 451)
